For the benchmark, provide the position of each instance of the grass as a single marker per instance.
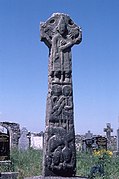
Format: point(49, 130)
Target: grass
point(29, 163)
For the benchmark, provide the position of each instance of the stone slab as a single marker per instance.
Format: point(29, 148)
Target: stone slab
point(41, 177)
point(9, 175)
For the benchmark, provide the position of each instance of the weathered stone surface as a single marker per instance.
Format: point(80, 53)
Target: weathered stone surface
point(118, 140)
point(4, 146)
point(24, 140)
point(14, 133)
point(60, 33)
point(41, 177)
point(9, 175)
point(6, 164)
point(108, 131)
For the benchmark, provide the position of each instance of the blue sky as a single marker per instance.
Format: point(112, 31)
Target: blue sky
point(24, 61)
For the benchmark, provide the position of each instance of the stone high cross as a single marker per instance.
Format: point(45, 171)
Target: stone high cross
point(59, 33)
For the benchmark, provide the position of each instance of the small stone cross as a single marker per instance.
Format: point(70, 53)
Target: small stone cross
point(108, 130)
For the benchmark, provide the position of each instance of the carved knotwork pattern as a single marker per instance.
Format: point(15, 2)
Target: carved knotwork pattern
point(60, 33)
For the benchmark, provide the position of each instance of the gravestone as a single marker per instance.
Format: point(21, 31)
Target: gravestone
point(118, 141)
point(36, 140)
point(87, 142)
point(101, 142)
point(108, 131)
point(95, 145)
point(24, 140)
point(59, 33)
point(4, 146)
point(88, 135)
point(5, 162)
point(92, 143)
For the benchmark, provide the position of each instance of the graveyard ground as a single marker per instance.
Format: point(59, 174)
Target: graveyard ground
point(29, 163)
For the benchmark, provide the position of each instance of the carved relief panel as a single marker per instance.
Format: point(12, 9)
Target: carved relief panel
point(60, 33)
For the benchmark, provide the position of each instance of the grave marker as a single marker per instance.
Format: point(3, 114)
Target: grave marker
point(108, 131)
point(101, 142)
point(4, 147)
point(118, 141)
point(60, 33)
point(24, 140)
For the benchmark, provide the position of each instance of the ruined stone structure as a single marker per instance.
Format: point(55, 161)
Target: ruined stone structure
point(60, 33)
point(14, 133)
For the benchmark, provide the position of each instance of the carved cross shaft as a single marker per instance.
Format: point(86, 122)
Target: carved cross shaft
point(60, 33)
